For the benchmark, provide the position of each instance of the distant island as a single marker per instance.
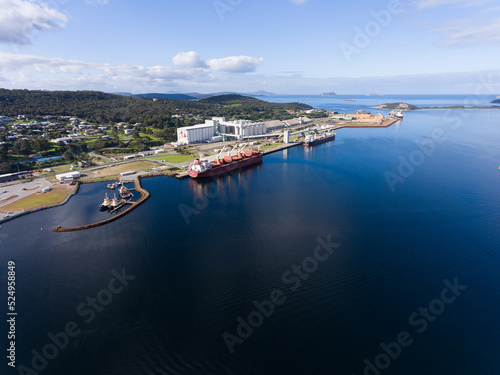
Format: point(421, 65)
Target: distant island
point(374, 94)
point(396, 106)
point(328, 94)
point(497, 100)
point(408, 107)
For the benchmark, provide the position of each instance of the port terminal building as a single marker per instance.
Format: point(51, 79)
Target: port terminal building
point(218, 129)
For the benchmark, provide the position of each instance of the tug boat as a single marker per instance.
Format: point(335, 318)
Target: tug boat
point(105, 204)
point(124, 192)
point(202, 168)
point(114, 202)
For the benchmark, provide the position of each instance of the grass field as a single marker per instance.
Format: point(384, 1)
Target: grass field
point(174, 159)
point(117, 169)
point(61, 169)
point(151, 136)
point(36, 200)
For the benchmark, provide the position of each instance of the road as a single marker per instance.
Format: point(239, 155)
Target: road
point(92, 154)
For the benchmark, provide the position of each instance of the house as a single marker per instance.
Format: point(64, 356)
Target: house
point(129, 131)
point(65, 140)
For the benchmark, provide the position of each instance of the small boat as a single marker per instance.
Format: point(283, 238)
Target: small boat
point(397, 114)
point(106, 204)
point(112, 186)
point(124, 192)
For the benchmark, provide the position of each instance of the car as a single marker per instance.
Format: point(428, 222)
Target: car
point(24, 189)
point(5, 191)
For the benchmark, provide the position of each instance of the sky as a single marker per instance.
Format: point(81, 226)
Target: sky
point(280, 46)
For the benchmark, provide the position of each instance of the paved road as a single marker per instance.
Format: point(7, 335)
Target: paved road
point(94, 155)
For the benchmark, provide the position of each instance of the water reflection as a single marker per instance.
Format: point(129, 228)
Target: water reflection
point(311, 151)
point(219, 186)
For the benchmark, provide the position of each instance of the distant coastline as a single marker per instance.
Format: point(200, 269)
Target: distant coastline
point(399, 106)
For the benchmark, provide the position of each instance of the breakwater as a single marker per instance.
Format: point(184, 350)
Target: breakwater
point(144, 196)
point(383, 124)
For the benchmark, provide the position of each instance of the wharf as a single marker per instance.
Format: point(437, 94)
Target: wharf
point(282, 147)
point(184, 174)
point(181, 175)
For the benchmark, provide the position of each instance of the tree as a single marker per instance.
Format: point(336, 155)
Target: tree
point(5, 167)
point(68, 155)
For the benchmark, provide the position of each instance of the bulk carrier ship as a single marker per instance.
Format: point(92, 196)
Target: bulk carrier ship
point(202, 168)
point(314, 139)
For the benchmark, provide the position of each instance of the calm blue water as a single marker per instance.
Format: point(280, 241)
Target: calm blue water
point(41, 160)
point(202, 253)
point(338, 103)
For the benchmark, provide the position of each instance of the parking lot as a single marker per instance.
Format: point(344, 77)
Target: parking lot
point(13, 191)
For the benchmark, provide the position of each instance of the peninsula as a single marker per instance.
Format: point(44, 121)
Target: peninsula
point(399, 106)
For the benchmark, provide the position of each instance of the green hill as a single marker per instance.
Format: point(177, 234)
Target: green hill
point(229, 99)
point(102, 108)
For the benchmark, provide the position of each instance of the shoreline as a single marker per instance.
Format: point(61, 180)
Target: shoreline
point(145, 194)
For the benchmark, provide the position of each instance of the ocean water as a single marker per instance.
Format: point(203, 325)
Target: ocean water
point(376, 253)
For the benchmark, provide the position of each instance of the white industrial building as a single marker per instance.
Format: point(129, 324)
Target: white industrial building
point(217, 129)
point(241, 129)
point(195, 134)
point(68, 176)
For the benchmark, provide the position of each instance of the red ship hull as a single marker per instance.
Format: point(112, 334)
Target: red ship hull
point(223, 168)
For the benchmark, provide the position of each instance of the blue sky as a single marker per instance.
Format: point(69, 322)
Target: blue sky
point(283, 46)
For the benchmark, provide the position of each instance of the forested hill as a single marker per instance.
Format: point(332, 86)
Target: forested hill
point(102, 108)
point(229, 99)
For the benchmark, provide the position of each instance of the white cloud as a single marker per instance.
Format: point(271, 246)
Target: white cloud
point(478, 28)
point(459, 33)
point(232, 64)
point(235, 64)
point(423, 4)
point(189, 59)
point(20, 18)
point(299, 1)
point(100, 2)
point(43, 72)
